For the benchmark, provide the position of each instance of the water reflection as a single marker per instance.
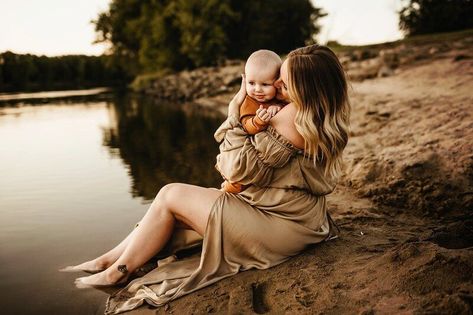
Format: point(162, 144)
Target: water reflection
point(50, 94)
point(163, 143)
point(67, 171)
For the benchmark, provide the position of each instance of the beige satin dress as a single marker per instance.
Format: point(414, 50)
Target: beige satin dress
point(281, 212)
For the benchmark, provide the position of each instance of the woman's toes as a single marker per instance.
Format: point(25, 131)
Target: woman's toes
point(90, 281)
point(97, 280)
point(68, 269)
point(84, 283)
point(89, 266)
point(80, 284)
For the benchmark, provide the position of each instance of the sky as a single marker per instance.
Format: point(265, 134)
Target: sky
point(50, 27)
point(359, 22)
point(61, 27)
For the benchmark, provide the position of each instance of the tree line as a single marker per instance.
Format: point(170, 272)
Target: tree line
point(19, 72)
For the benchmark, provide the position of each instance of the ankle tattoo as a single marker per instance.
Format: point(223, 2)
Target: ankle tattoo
point(123, 269)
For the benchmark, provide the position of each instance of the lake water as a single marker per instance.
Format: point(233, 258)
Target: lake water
point(76, 175)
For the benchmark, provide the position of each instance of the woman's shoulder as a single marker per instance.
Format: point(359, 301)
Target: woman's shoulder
point(283, 123)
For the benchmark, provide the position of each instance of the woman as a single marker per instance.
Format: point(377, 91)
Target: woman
point(288, 168)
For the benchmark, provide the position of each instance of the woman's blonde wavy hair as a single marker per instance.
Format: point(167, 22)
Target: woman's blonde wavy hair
point(318, 87)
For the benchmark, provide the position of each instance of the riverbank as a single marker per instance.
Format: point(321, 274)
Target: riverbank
point(403, 205)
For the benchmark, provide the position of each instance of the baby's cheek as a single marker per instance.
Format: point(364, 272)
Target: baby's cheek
point(272, 92)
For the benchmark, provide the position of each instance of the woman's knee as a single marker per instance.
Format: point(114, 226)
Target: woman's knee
point(168, 194)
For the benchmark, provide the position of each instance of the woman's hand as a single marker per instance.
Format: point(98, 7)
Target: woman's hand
point(234, 106)
point(240, 96)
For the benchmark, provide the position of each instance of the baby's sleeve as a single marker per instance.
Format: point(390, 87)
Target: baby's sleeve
point(253, 124)
point(250, 160)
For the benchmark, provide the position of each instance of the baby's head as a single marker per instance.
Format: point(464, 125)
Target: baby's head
point(261, 70)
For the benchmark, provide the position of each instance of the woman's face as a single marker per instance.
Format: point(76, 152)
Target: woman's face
point(281, 83)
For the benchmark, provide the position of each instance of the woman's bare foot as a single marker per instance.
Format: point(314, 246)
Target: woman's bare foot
point(91, 266)
point(109, 277)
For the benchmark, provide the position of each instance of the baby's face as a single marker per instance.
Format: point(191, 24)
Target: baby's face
point(259, 83)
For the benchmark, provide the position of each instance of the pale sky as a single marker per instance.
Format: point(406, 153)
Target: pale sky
point(359, 22)
point(59, 27)
point(50, 27)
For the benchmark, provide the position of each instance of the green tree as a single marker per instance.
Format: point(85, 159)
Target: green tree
point(160, 44)
point(123, 26)
point(202, 41)
point(279, 25)
point(158, 34)
point(434, 16)
point(152, 35)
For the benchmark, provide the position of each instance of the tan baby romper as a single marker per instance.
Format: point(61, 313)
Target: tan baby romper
point(281, 212)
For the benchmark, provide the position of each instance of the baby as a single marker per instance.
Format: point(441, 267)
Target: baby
point(260, 104)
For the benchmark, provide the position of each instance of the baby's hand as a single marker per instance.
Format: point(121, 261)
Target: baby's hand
point(274, 109)
point(263, 114)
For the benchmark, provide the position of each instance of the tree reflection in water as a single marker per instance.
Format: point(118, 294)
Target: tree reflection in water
point(163, 143)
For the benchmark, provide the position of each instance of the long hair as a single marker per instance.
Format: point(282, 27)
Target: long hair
point(318, 87)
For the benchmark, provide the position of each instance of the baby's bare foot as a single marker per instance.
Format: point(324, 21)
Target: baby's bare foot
point(91, 266)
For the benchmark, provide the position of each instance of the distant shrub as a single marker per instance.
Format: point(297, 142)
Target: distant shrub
point(434, 16)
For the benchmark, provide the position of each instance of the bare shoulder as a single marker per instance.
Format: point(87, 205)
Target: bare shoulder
point(284, 124)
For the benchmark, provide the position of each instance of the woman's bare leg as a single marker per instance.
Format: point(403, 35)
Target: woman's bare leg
point(102, 262)
point(186, 203)
point(106, 260)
